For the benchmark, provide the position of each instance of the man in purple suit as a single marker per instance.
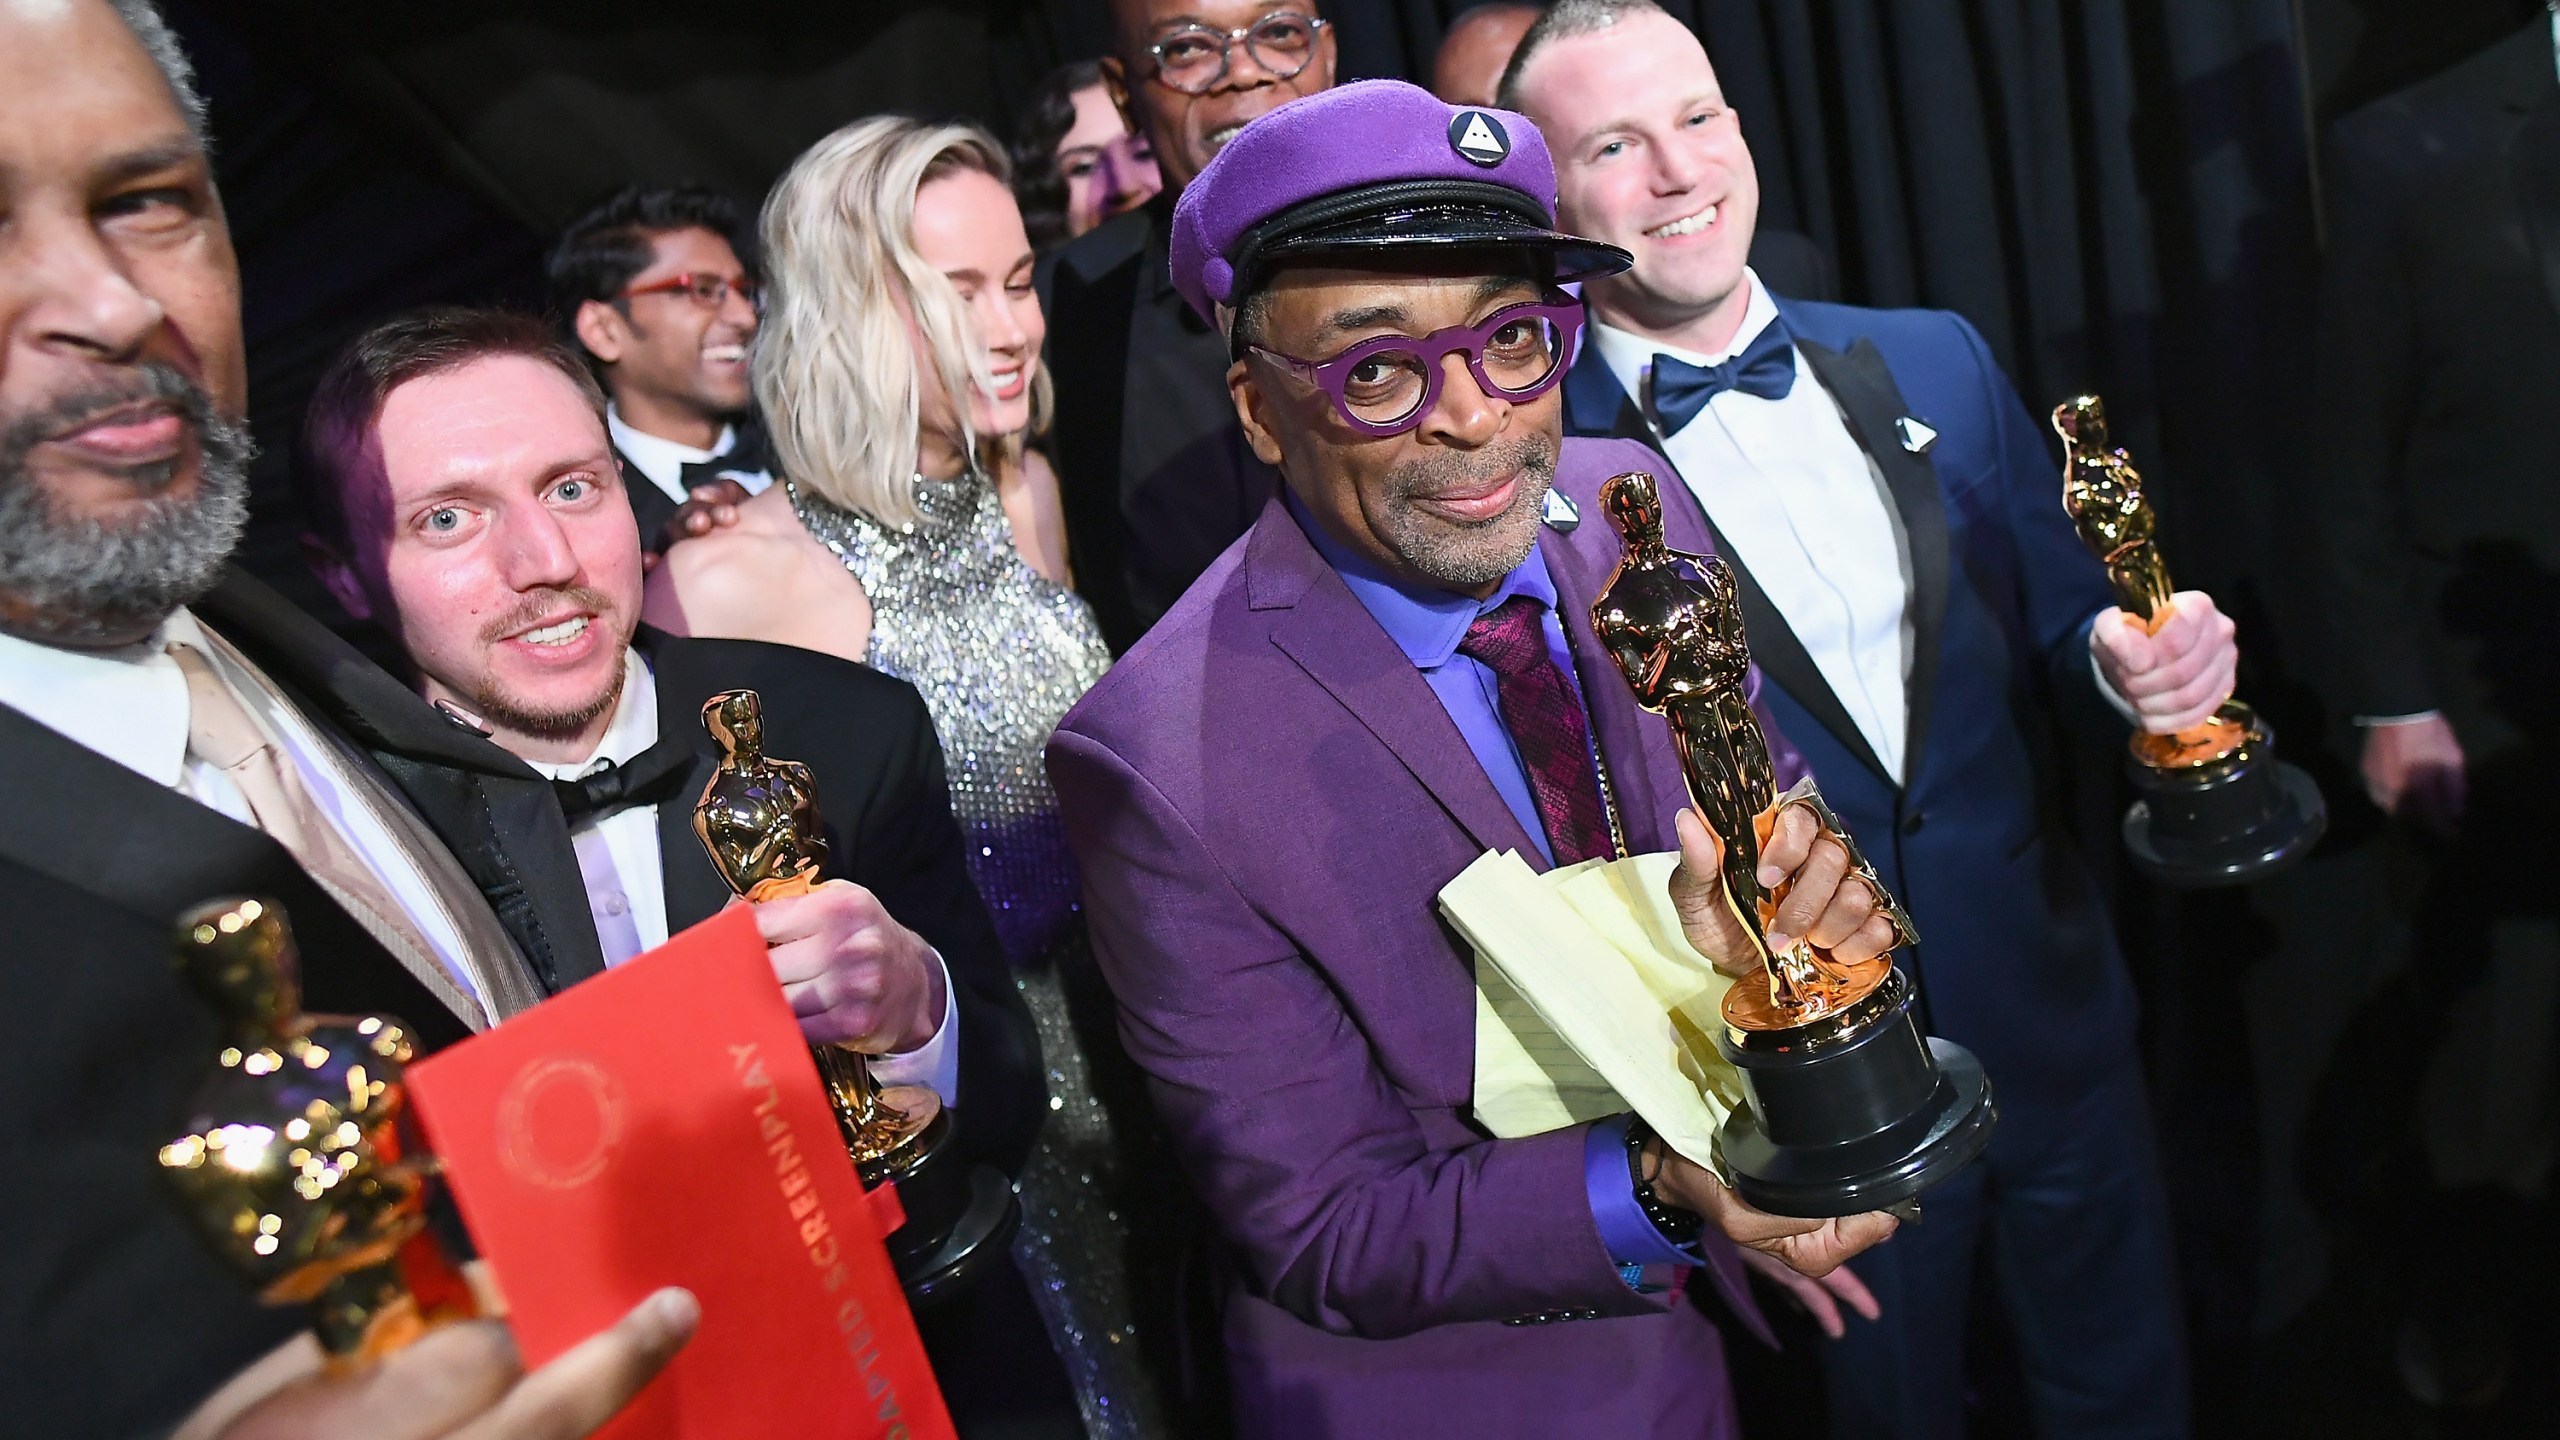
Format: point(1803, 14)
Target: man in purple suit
point(1392, 673)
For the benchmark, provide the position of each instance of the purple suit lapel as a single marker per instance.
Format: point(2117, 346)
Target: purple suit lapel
point(1334, 639)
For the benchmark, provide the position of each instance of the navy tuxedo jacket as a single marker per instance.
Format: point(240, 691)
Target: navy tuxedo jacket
point(2017, 960)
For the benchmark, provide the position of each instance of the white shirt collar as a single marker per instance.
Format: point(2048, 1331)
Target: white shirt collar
point(660, 459)
point(128, 704)
point(634, 727)
point(1629, 355)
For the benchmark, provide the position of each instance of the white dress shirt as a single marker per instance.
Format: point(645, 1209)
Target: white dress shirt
point(1807, 511)
point(1802, 505)
point(662, 460)
point(626, 878)
point(130, 705)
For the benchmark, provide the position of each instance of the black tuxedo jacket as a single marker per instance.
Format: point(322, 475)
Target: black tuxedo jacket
point(887, 806)
point(1155, 479)
point(115, 1318)
point(2432, 473)
point(650, 505)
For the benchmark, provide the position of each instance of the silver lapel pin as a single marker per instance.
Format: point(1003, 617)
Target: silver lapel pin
point(1560, 514)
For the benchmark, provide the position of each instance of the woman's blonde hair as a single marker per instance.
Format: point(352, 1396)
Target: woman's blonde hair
point(834, 373)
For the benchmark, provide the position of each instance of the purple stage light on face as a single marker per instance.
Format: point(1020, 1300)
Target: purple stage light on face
point(1384, 385)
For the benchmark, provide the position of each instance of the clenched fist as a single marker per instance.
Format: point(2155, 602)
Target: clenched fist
point(1828, 906)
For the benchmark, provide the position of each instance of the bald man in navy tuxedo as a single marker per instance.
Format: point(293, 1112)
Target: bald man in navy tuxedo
point(1922, 609)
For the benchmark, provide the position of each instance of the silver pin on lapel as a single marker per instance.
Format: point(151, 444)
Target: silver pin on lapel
point(1916, 437)
point(1560, 514)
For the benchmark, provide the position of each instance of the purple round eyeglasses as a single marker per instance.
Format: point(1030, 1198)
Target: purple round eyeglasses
point(1385, 385)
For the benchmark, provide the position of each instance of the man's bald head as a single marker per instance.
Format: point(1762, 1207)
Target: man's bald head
point(1476, 50)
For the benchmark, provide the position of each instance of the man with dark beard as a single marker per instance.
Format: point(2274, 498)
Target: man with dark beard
point(1393, 673)
point(171, 733)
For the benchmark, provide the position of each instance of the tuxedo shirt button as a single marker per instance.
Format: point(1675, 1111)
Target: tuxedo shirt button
point(616, 904)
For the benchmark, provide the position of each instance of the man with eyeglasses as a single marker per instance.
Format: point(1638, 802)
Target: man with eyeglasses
point(1154, 476)
point(652, 291)
point(1394, 673)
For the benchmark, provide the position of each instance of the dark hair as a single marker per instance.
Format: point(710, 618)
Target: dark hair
point(597, 256)
point(338, 425)
point(1038, 187)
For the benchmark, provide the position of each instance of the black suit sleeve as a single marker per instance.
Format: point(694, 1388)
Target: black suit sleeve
point(907, 851)
point(2379, 632)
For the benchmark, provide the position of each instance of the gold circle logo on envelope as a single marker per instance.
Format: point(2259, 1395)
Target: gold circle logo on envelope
point(559, 1123)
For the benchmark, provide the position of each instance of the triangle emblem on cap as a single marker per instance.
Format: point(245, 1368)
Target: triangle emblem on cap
point(1480, 138)
point(1916, 437)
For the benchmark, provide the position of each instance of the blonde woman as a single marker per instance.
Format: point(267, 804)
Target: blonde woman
point(913, 531)
point(910, 532)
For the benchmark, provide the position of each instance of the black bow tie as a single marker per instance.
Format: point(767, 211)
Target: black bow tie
point(746, 456)
point(652, 776)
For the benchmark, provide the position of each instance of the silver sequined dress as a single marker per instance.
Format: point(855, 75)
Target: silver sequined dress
point(1001, 653)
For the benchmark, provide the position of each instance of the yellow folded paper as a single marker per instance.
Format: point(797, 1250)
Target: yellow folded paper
point(1590, 1001)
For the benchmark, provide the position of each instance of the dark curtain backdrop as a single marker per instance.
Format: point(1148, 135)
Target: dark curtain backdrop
point(2117, 192)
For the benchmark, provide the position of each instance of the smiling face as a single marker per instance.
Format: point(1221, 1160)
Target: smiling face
point(1650, 158)
point(1187, 131)
point(493, 539)
point(1452, 503)
point(1107, 169)
point(121, 372)
point(673, 363)
point(968, 227)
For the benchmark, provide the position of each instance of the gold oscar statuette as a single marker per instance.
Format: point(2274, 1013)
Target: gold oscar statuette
point(1849, 1107)
point(292, 1164)
point(758, 818)
point(2217, 807)
point(1672, 623)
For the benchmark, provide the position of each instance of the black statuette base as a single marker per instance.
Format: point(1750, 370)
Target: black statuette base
point(1854, 1118)
point(2226, 823)
point(960, 1218)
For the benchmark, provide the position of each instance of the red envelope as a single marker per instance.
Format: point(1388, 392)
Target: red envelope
point(662, 1124)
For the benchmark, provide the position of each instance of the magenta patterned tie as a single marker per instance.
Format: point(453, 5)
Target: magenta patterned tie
point(1546, 721)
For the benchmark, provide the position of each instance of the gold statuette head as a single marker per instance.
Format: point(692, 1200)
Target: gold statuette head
point(2102, 493)
point(758, 817)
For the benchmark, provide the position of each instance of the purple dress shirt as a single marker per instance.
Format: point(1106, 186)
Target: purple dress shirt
point(1427, 625)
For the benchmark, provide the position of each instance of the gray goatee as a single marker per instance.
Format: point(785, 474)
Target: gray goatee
point(82, 578)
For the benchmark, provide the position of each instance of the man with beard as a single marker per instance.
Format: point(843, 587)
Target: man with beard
point(170, 733)
point(1153, 474)
point(464, 495)
point(1393, 673)
point(652, 290)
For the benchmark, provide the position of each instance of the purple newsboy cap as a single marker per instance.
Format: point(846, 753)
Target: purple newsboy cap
point(1366, 167)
